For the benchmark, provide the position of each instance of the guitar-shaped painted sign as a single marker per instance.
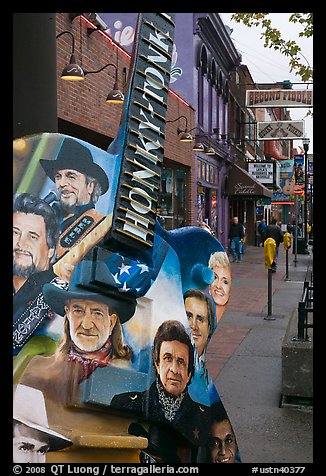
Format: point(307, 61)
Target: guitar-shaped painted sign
point(112, 313)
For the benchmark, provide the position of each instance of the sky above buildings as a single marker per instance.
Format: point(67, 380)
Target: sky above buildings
point(267, 65)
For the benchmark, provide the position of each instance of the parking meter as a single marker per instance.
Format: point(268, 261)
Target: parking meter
point(287, 240)
point(270, 256)
point(269, 252)
point(287, 245)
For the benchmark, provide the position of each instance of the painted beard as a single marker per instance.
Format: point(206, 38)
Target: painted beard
point(23, 271)
point(68, 206)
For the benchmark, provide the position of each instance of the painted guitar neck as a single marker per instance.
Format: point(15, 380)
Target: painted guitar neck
point(141, 137)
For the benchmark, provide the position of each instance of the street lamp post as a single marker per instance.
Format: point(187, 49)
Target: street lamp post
point(305, 142)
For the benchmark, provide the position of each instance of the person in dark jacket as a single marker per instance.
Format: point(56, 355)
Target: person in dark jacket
point(262, 231)
point(236, 237)
point(275, 232)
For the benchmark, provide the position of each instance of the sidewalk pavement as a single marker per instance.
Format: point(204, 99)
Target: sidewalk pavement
point(244, 358)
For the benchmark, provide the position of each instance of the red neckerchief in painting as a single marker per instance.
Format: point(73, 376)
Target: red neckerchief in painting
point(89, 361)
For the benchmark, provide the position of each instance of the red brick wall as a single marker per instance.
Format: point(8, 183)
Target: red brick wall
point(83, 102)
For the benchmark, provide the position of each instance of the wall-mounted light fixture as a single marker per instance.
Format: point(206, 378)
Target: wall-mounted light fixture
point(184, 135)
point(210, 150)
point(115, 96)
point(200, 147)
point(72, 71)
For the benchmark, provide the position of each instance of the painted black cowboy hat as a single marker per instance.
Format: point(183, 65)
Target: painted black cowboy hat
point(75, 156)
point(93, 281)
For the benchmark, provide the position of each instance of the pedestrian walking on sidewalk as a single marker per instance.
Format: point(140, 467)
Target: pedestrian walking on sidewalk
point(262, 231)
point(273, 230)
point(236, 236)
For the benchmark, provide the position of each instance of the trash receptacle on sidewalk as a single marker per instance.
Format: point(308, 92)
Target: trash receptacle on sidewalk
point(301, 246)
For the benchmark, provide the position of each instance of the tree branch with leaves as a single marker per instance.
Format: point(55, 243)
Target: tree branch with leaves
point(273, 38)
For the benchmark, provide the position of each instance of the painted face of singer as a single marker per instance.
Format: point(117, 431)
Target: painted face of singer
point(222, 442)
point(30, 247)
point(74, 187)
point(197, 313)
point(90, 323)
point(29, 445)
point(173, 367)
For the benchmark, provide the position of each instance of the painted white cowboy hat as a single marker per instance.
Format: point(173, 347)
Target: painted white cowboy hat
point(29, 409)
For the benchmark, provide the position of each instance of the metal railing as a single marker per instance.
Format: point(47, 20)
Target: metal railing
point(306, 306)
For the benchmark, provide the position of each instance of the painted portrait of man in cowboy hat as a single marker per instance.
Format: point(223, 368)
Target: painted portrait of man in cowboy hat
point(80, 182)
point(32, 436)
point(79, 179)
point(93, 335)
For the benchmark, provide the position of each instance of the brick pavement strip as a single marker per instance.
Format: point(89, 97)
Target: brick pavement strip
point(249, 294)
point(240, 301)
point(222, 345)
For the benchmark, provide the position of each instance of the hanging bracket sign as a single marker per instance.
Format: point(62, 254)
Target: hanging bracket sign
point(274, 130)
point(279, 98)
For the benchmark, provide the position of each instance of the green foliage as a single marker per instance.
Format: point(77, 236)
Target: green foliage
point(273, 38)
point(36, 345)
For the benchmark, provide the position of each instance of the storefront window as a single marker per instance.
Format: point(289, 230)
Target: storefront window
point(171, 208)
point(213, 220)
point(201, 204)
point(207, 172)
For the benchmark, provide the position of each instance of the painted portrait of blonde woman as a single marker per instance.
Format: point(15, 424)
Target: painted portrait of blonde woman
point(220, 288)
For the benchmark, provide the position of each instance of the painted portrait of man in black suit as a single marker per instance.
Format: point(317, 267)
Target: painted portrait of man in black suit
point(167, 399)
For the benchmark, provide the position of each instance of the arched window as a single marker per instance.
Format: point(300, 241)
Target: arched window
point(202, 82)
point(213, 73)
point(203, 60)
point(226, 91)
point(219, 86)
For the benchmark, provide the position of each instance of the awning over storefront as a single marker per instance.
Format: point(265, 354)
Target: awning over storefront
point(241, 183)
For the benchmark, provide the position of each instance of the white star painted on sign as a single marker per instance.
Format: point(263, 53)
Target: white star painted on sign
point(143, 268)
point(115, 277)
point(124, 288)
point(124, 268)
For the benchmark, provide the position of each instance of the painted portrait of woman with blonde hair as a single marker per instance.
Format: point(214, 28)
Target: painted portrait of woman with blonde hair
point(221, 286)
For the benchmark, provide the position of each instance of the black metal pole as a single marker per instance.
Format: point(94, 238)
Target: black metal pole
point(286, 264)
point(270, 292)
point(296, 230)
point(305, 222)
point(305, 198)
point(301, 320)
